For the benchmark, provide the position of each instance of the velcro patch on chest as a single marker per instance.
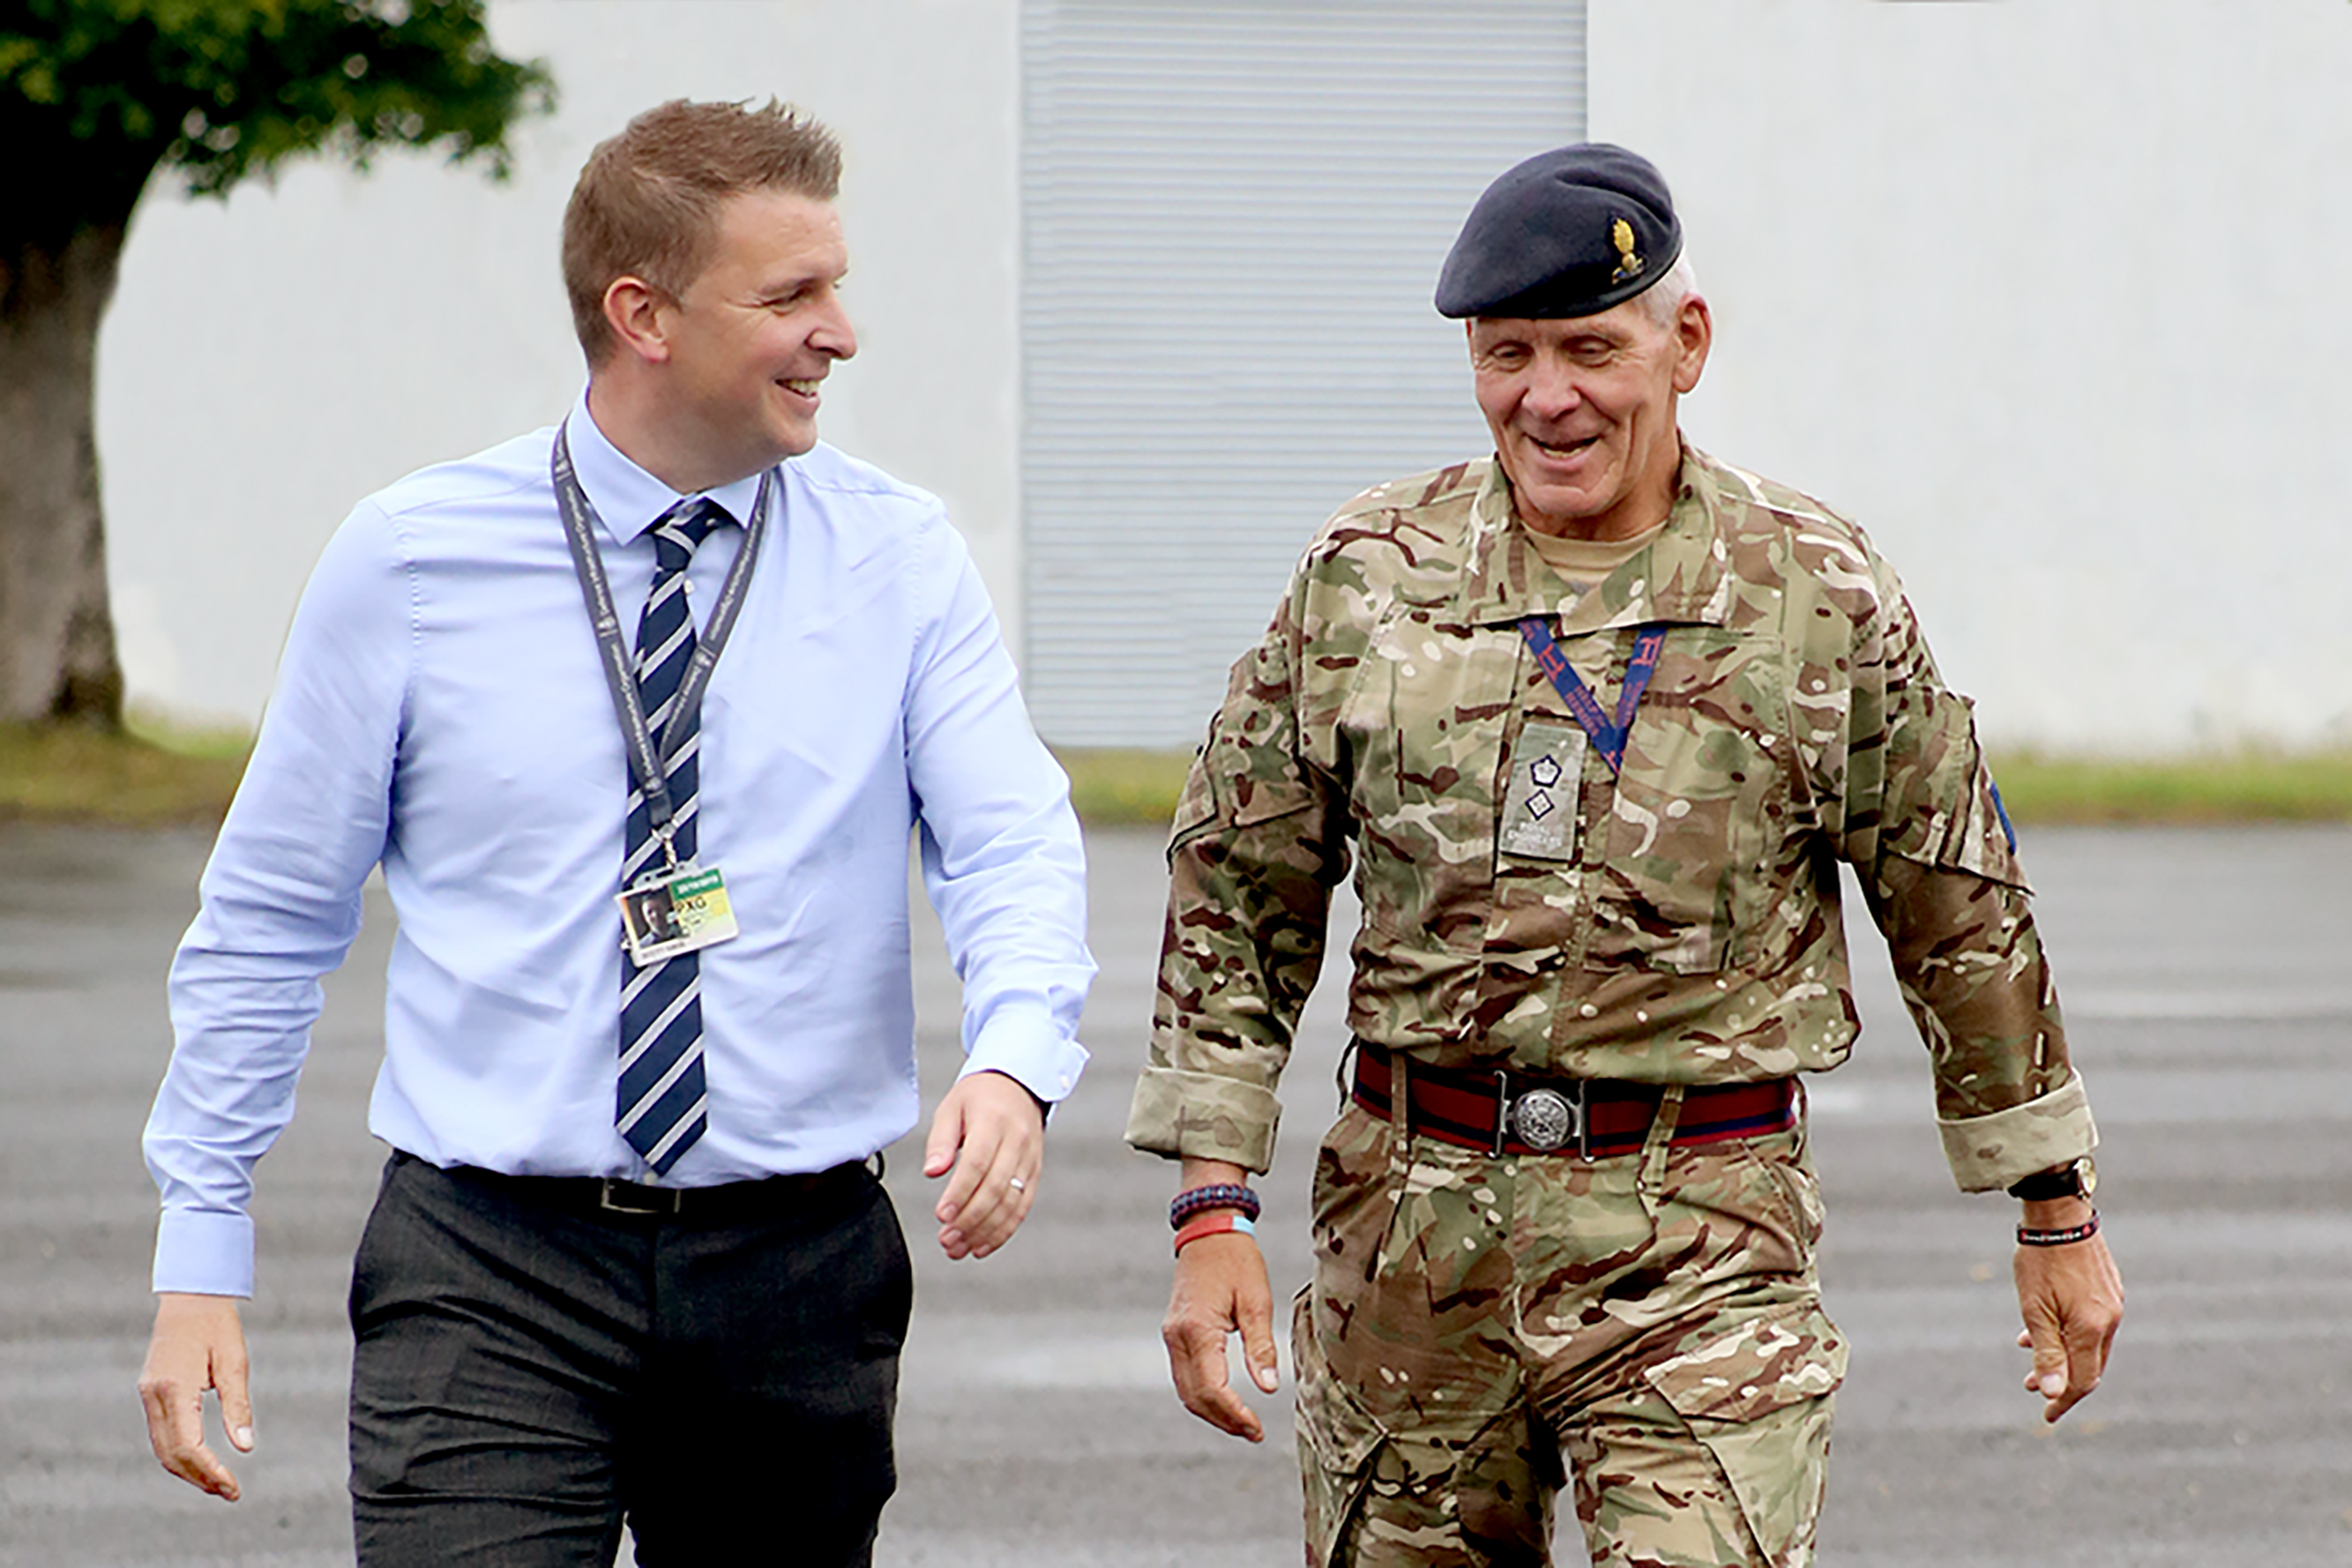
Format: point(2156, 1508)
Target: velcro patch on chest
point(1540, 799)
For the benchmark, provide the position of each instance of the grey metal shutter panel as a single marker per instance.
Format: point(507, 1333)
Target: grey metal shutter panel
point(1233, 218)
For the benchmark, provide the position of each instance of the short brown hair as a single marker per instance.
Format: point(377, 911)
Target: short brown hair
point(647, 202)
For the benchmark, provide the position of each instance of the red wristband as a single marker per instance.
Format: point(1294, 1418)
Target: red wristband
point(1216, 1224)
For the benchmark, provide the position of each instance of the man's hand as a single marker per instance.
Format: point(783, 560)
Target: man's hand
point(1221, 1289)
point(991, 1132)
point(2071, 1299)
point(198, 1343)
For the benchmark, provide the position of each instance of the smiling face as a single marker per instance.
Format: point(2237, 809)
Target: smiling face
point(748, 342)
point(1582, 412)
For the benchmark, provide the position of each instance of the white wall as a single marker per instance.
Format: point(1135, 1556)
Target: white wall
point(270, 361)
point(2052, 295)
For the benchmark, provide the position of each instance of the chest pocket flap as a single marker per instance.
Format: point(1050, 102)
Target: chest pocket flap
point(1680, 867)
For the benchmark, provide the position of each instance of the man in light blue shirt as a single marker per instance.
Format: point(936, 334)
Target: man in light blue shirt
point(629, 1259)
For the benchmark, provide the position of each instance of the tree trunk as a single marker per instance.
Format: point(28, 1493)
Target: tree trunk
point(57, 633)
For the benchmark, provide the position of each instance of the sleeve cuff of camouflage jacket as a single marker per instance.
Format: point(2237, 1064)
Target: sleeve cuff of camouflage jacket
point(1988, 1153)
point(1204, 1116)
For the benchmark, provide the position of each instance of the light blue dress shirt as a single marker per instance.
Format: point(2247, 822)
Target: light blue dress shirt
point(440, 710)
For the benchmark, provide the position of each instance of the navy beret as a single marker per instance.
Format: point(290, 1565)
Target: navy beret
point(1568, 233)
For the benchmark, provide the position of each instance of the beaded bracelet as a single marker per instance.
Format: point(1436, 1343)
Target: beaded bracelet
point(1216, 1224)
point(1215, 1196)
point(2066, 1237)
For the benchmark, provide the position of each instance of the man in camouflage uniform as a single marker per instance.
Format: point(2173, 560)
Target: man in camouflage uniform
point(1598, 716)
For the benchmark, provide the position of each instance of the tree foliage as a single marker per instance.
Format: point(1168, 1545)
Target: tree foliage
point(97, 95)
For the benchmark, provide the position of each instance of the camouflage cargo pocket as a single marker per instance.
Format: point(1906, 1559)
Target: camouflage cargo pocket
point(1758, 1397)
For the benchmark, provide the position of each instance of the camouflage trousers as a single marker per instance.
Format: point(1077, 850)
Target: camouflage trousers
point(1479, 1328)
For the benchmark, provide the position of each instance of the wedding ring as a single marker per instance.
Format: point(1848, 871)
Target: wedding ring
point(1016, 1184)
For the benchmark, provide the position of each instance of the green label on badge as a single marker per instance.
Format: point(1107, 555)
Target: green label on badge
point(698, 884)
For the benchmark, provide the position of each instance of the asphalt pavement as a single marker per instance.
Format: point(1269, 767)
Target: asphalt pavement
point(2207, 978)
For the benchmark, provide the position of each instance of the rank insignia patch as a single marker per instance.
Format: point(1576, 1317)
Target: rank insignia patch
point(1537, 821)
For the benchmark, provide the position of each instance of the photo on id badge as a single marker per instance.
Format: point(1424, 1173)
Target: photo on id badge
point(679, 911)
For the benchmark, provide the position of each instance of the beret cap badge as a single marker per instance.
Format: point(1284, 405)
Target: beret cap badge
point(1629, 261)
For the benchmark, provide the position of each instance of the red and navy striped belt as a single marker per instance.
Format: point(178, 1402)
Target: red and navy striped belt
point(1505, 1112)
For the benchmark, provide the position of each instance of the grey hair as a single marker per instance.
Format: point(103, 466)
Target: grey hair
point(1663, 300)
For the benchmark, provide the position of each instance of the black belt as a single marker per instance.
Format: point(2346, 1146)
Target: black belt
point(728, 1203)
point(1507, 1113)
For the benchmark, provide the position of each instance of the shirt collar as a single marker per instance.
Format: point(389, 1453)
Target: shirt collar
point(627, 500)
point(1679, 577)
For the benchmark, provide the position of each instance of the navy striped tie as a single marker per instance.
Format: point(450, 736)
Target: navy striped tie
point(662, 1107)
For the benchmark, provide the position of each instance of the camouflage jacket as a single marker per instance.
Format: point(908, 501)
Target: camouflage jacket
point(1524, 907)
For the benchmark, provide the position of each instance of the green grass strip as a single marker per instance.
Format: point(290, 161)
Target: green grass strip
point(156, 775)
point(1115, 788)
point(79, 772)
point(2242, 786)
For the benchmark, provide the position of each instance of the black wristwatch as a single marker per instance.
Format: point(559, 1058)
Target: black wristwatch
point(2074, 1179)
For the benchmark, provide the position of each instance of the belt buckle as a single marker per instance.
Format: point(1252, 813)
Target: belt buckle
point(614, 1195)
point(1543, 1119)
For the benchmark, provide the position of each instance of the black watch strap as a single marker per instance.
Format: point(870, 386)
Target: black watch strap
point(2066, 1181)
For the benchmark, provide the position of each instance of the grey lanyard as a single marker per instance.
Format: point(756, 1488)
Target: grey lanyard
point(650, 765)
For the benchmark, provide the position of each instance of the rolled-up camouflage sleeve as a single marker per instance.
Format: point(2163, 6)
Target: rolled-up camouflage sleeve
point(1924, 827)
point(1258, 843)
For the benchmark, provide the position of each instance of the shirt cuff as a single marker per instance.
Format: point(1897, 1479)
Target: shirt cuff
point(1029, 1048)
point(205, 1252)
point(1204, 1116)
point(1988, 1152)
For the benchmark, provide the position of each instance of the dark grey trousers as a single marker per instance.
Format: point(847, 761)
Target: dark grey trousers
point(527, 1375)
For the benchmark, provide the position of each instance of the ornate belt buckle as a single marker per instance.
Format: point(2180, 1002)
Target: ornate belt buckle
point(1542, 1118)
point(1545, 1119)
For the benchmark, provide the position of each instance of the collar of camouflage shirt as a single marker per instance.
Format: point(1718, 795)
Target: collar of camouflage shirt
point(1682, 578)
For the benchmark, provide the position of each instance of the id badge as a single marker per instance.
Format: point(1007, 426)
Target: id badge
point(1541, 800)
point(680, 909)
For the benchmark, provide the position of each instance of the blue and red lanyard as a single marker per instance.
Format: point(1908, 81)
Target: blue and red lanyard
point(1608, 736)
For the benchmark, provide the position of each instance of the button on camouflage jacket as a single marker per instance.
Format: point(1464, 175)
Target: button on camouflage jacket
point(1524, 907)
